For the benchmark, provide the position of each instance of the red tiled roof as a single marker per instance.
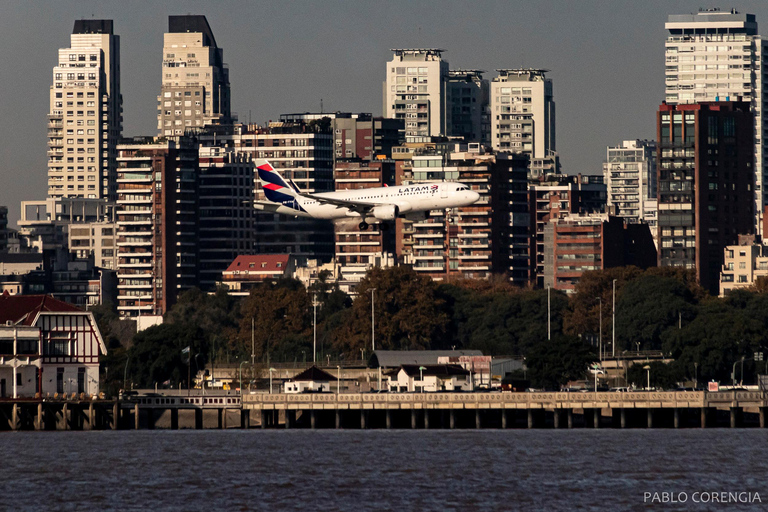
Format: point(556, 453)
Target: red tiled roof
point(253, 263)
point(24, 308)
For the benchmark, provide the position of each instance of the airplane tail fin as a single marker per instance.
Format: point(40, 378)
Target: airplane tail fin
point(276, 189)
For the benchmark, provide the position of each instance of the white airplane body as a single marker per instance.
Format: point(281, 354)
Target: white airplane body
point(369, 205)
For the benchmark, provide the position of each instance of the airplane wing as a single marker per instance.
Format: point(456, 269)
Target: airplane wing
point(356, 206)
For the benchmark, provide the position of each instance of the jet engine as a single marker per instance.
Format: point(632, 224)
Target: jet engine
point(385, 212)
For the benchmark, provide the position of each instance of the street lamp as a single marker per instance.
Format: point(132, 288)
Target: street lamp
point(421, 377)
point(373, 321)
point(648, 370)
point(638, 346)
point(695, 376)
point(314, 330)
point(241, 374)
point(270, 379)
point(600, 336)
point(338, 379)
point(613, 345)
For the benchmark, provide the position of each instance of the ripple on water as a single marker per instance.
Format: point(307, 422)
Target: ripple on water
point(374, 470)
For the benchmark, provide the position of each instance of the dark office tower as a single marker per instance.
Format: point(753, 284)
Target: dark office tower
point(705, 180)
point(195, 81)
point(226, 210)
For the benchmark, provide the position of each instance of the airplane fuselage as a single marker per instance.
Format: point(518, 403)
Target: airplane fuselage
point(413, 198)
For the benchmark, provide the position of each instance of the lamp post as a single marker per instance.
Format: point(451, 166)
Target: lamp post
point(253, 352)
point(695, 376)
point(638, 346)
point(421, 377)
point(549, 314)
point(314, 330)
point(270, 379)
point(613, 345)
point(241, 374)
point(648, 370)
point(373, 321)
point(600, 335)
point(125, 372)
point(338, 379)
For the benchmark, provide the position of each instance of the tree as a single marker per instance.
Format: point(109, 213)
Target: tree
point(648, 306)
point(279, 310)
point(551, 364)
point(155, 356)
point(409, 313)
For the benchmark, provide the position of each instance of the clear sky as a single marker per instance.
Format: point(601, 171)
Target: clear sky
point(606, 59)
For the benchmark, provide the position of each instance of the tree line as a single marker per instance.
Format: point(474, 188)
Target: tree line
point(659, 309)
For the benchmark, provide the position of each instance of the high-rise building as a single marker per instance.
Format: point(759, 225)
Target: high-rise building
point(3, 228)
point(357, 251)
point(718, 55)
point(195, 81)
point(415, 90)
point(85, 119)
point(301, 152)
point(574, 244)
point(629, 172)
point(226, 210)
point(705, 184)
point(157, 223)
point(553, 196)
point(466, 105)
point(357, 135)
point(523, 112)
point(490, 236)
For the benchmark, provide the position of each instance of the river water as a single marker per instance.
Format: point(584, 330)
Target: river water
point(352, 470)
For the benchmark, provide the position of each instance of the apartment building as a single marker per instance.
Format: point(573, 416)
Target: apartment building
point(553, 195)
point(705, 178)
point(629, 172)
point(743, 264)
point(719, 55)
point(415, 90)
point(157, 223)
point(357, 135)
point(226, 213)
point(522, 109)
point(301, 152)
point(374, 246)
point(195, 88)
point(85, 117)
point(467, 106)
point(578, 243)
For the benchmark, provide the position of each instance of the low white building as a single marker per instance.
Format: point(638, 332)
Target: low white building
point(48, 347)
point(411, 378)
point(311, 380)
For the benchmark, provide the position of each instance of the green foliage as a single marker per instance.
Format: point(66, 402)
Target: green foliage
point(551, 364)
point(156, 357)
point(409, 314)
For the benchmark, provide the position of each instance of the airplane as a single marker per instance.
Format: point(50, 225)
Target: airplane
point(370, 205)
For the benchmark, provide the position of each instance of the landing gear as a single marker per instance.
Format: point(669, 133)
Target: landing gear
point(363, 226)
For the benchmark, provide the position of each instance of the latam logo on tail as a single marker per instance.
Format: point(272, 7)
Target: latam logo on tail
point(370, 205)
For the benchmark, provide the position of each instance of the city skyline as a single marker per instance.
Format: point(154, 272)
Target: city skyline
point(606, 62)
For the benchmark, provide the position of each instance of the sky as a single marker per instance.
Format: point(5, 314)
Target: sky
point(606, 60)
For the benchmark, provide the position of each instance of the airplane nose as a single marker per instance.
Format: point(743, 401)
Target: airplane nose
point(474, 197)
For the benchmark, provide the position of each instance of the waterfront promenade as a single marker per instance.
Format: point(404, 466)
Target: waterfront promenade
point(507, 409)
point(174, 409)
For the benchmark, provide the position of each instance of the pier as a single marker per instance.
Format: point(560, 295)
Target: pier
point(699, 409)
point(500, 410)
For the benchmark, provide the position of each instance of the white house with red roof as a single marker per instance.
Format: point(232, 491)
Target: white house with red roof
point(47, 347)
point(248, 270)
